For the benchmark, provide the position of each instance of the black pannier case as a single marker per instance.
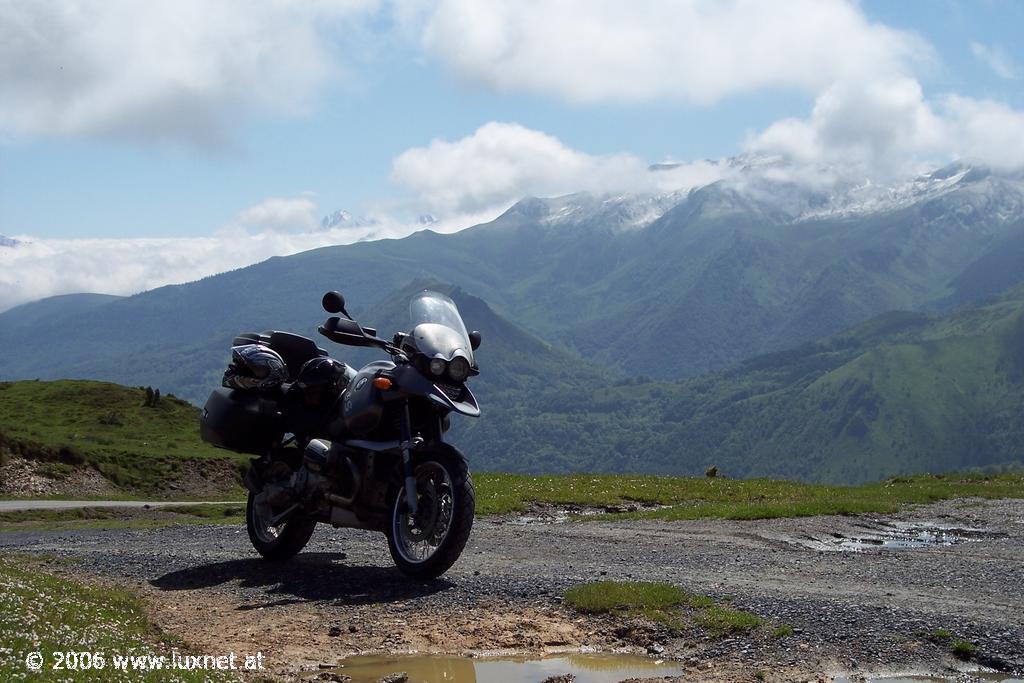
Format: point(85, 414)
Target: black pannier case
point(241, 421)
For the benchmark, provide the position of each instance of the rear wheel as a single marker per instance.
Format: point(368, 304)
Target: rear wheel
point(276, 542)
point(427, 544)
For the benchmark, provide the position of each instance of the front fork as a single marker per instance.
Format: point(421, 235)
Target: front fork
point(407, 445)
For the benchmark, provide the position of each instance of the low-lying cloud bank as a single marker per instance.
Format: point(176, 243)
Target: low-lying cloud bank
point(38, 268)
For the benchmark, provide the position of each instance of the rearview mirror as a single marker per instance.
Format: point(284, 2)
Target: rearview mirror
point(334, 302)
point(474, 340)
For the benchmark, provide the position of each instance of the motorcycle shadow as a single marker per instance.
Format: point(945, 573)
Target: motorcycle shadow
point(307, 577)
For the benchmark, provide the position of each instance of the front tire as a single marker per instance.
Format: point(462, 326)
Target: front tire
point(428, 545)
point(281, 542)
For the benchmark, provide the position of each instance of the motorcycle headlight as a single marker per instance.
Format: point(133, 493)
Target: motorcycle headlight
point(437, 366)
point(458, 369)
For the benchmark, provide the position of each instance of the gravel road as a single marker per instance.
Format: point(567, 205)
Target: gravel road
point(20, 505)
point(862, 593)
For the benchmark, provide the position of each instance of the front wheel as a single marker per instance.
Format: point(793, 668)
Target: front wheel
point(276, 542)
point(427, 544)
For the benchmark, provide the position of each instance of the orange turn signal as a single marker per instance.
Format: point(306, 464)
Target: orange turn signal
point(382, 383)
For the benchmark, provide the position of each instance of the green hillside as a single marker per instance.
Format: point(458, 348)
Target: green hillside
point(899, 394)
point(142, 449)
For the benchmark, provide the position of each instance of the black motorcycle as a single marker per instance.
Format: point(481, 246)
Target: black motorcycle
point(362, 449)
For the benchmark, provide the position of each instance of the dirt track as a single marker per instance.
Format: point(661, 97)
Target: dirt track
point(871, 610)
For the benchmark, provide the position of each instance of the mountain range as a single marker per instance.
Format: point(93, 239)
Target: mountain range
point(648, 332)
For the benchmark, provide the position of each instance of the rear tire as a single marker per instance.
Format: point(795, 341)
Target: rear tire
point(446, 474)
point(290, 537)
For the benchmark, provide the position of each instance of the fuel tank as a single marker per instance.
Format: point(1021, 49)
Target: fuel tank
point(361, 405)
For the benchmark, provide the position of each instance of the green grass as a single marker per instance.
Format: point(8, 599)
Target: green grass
point(941, 634)
point(963, 649)
point(721, 620)
point(68, 423)
point(702, 497)
point(612, 596)
point(41, 612)
point(783, 631)
point(660, 602)
point(121, 518)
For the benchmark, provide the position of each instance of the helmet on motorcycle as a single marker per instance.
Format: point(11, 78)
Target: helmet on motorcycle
point(324, 372)
point(255, 367)
point(321, 380)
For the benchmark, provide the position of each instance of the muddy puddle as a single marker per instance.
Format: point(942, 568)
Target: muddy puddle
point(897, 536)
point(587, 668)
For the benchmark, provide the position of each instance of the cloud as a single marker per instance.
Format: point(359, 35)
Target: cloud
point(996, 58)
point(280, 215)
point(695, 51)
point(37, 268)
point(888, 128)
point(164, 70)
point(502, 162)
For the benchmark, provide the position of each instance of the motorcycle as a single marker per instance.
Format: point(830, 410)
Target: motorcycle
point(360, 449)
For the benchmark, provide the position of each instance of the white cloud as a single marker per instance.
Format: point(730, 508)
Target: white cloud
point(38, 268)
point(691, 50)
point(989, 131)
point(165, 70)
point(888, 128)
point(502, 162)
point(996, 58)
point(295, 215)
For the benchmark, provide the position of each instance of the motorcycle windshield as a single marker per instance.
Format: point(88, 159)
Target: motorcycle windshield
point(438, 327)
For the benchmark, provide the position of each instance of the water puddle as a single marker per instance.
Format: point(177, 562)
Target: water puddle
point(558, 514)
point(899, 536)
point(587, 668)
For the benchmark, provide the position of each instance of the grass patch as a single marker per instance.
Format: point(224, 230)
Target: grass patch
point(660, 602)
point(613, 596)
point(783, 631)
point(721, 620)
point(121, 518)
point(703, 497)
point(40, 612)
point(963, 649)
point(941, 634)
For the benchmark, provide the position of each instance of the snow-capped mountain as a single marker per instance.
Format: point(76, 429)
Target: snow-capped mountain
point(583, 210)
point(344, 219)
point(7, 242)
point(768, 187)
point(977, 187)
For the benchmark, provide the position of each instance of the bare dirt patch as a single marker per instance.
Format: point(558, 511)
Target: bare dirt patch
point(25, 478)
point(298, 637)
point(29, 478)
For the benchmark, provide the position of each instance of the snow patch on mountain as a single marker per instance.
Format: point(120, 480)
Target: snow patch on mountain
point(344, 219)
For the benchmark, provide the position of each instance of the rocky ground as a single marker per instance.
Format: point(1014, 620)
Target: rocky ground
point(864, 595)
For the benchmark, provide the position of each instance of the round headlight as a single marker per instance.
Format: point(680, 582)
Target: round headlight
point(437, 367)
point(458, 369)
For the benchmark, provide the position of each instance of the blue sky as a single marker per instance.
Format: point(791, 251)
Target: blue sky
point(193, 120)
point(342, 151)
